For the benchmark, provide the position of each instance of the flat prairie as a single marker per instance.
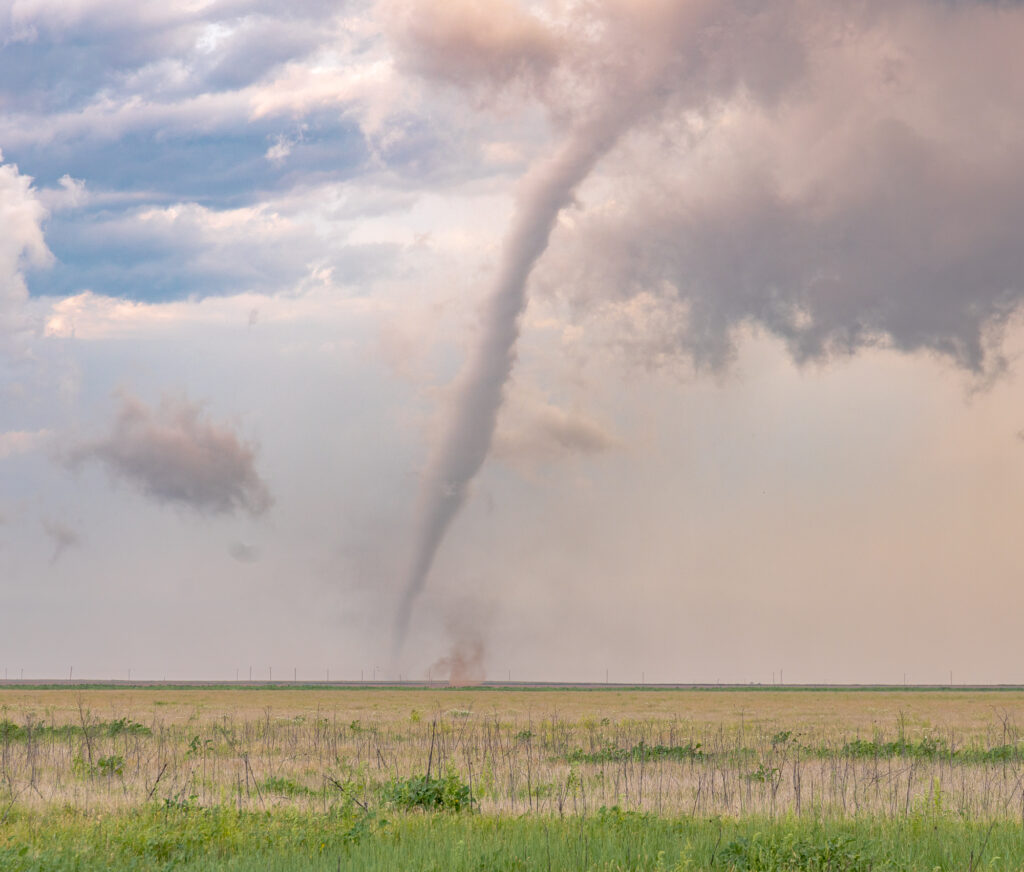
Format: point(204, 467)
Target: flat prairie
point(666, 751)
point(968, 712)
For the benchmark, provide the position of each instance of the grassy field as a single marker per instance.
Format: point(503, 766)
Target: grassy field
point(510, 779)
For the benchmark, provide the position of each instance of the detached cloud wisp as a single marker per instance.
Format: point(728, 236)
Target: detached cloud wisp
point(174, 455)
point(539, 432)
point(63, 537)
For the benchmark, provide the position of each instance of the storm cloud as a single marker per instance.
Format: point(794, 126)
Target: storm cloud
point(842, 175)
point(871, 196)
point(176, 456)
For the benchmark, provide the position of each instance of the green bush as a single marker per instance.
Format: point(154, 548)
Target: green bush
point(923, 749)
point(448, 793)
point(786, 852)
point(640, 751)
point(110, 766)
point(125, 726)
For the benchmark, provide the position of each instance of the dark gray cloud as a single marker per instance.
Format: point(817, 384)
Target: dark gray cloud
point(843, 175)
point(920, 256)
point(873, 196)
point(175, 455)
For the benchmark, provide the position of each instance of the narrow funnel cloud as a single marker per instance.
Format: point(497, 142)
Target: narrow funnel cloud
point(465, 444)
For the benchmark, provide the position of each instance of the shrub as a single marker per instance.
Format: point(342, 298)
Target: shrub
point(123, 725)
point(110, 766)
point(447, 793)
point(107, 766)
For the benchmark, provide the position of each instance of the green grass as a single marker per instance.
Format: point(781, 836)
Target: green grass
point(930, 748)
point(13, 732)
point(285, 787)
point(221, 783)
point(191, 838)
point(639, 751)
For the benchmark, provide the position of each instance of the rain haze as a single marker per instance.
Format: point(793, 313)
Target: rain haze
point(672, 340)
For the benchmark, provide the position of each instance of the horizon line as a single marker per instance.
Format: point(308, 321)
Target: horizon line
point(439, 684)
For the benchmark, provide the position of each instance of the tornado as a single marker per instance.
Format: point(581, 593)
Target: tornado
point(642, 56)
point(466, 440)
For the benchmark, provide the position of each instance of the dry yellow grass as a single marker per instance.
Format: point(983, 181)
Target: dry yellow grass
point(970, 713)
point(549, 751)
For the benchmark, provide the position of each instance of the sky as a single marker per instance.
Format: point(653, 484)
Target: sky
point(662, 340)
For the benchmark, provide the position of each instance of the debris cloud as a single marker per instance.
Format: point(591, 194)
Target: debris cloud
point(464, 664)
